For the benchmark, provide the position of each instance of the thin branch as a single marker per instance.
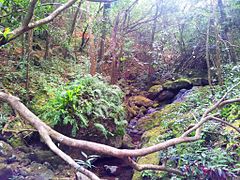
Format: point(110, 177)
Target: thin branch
point(141, 167)
point(229, 102)
point(44, 134)
point(26, 26)
point(226, 123)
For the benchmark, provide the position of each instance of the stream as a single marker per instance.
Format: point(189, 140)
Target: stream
point(111, 168)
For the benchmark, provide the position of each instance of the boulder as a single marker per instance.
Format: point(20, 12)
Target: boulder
point(165, 95)
point(41, 156)
point(154, 91)
point(140, 101)
point(127, 142)
point(176, 85)
point(5, 149)
point(137, 105)
point(5, 172)
point(40, 171)
point(199, 81)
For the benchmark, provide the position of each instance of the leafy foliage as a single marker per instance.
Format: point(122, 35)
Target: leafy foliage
point(88, 160)
point(87, 102)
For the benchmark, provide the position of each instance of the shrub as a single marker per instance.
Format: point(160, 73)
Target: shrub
point(88, 102)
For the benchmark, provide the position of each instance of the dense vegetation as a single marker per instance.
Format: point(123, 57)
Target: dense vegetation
point(129, 74)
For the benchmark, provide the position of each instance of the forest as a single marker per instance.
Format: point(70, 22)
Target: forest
point(119, 89)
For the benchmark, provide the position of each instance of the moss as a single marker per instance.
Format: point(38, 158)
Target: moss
point(177, 84)
point(156, 118)
point(16, 141)
point(199, 81)
point(156, 127)
point(140, 101)
point(155, 89)
point(151, 158)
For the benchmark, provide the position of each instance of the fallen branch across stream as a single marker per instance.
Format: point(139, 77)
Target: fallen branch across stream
point(47, 134)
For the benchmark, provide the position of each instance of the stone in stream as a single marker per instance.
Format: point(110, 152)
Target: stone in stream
point(5, 172)
point(154, 91)
point(177, 85)
point(199, 81)
point(111, 170)
point(165, 95)
point(5, 149)
point(40, 171)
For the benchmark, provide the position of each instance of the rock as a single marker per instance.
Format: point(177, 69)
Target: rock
point(199, 81)
point(5, 173)
point(45, 156)
point(127, 142)
point(177, 85)
point(181, 96)
point(40, 171)
point(115, 141)
point(137, 105)
point(111, 170)
point(165, 95)
point(5, 149)
point(140, 101)
point(11, 159)
point(154, 91)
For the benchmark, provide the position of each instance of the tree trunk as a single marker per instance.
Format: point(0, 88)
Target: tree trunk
point(72, 28)
point(154, 27)
point(91, 49)
point(113, 52)
point(225, 30)
point(30, 43)
point(218, 48)
point(207, 52)
point(103, 34)
point(47, 45)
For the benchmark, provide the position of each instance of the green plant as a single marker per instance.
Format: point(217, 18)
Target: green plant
point(88, 160)
point(87, 102)
point(148, 174)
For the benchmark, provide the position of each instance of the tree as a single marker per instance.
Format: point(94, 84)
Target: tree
point(28, 25)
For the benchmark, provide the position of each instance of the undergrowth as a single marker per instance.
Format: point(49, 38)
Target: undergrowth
point(217, 155)
point(87, 102)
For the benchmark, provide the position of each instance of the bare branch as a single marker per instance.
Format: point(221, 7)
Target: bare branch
point(226, 123)
point(26, 26)
point(141, 167)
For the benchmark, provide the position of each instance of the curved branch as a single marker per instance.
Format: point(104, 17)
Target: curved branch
point(141, 167)
point(226, 123)
point(41, 128)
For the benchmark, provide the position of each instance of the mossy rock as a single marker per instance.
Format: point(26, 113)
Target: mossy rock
point(199, 81)
point(177, 85)
point(16, 141)
point(154, 119)
point(138, 105)
point(140, 101)
point(153, 158)
point(155, 131)
point(155, 89)
point(150, 137)
point(165, 95)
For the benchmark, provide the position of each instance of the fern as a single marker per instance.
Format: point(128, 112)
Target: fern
point(87, 99)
